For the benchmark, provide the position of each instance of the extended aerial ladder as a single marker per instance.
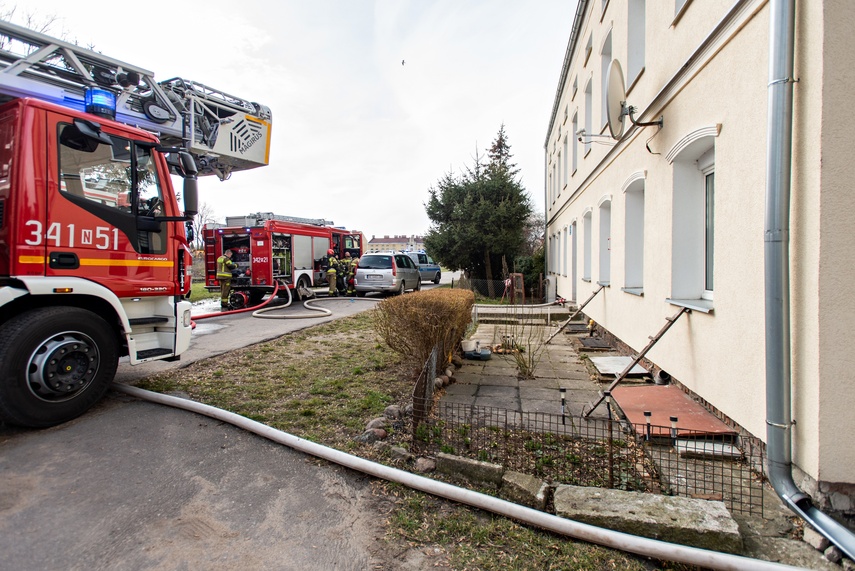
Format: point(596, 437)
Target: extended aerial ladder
point(224, 133)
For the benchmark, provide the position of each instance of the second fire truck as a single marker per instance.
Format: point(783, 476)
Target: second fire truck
point(268, 248)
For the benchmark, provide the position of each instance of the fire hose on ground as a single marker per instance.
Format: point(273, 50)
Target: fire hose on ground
point(614, 539)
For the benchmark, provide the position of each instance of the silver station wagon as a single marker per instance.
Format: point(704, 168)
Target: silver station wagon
point(386, 272)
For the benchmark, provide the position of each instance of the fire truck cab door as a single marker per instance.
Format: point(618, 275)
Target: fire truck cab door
point(104, 195)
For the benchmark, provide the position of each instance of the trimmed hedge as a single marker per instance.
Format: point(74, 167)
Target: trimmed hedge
point(412, 324)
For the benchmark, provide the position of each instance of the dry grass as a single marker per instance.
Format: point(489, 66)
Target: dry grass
point(323, 384)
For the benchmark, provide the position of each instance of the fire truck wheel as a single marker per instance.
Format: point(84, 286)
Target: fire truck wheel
point(56, 363)
point(302, 283)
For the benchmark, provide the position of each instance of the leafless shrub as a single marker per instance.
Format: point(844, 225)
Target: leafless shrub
point(412, 324)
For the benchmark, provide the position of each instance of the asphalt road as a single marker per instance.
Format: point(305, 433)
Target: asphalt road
point(133, 485)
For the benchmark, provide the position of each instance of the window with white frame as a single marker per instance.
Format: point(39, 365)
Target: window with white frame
point(605, 241)
point(636, 30)
point(589, 104)
point(573, 262)
point(575, 142)
point(564, 179)
point(693, 227)
point(558, 177)
point(605, 62)
point(566, 254)
point(589, 47)
point(634, 237)
point(586, 246)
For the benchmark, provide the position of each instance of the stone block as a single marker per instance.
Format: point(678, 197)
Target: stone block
point(687, 521)
point(815, 539)
point(469, 469)
point(524, 489)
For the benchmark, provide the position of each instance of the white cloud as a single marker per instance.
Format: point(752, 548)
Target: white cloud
point(358, 138)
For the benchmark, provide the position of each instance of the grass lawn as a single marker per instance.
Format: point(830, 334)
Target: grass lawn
point(324, 384)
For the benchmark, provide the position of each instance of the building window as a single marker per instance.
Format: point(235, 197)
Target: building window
point(635, 40)
point(564, 180)
point(709, 232)
point(589, 103)
point(634, 237)
point(586, 246)
point(693, 224)
point(589, 47)
point(605, 62)
point(575, 88)
point(566, 255)
point(558, 174)
point(575, 142)
point(605, 242)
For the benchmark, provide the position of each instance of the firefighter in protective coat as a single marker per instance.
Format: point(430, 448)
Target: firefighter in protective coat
point(332, 266)
point(225, 265)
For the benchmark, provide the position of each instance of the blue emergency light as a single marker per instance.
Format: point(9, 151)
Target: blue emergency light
point(101, 102)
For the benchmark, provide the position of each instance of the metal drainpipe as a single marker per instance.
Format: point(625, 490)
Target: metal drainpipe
point(778, 381)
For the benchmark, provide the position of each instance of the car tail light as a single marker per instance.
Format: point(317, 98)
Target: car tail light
point(394, 268)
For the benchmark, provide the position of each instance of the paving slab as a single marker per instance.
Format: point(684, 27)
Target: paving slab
point(497, 391)
point(499, 381)
point(461, 389)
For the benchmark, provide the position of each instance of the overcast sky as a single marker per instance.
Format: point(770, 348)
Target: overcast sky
point(358, 138)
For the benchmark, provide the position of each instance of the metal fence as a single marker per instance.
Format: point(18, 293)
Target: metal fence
point(501, 290)
point(597, 452)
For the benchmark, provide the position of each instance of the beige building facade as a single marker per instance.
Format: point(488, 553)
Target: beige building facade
point(672, 216)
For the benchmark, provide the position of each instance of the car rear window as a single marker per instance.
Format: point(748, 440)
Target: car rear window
point(375, 262)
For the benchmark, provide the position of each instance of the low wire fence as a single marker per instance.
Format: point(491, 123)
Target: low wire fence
point(597, 452)
point(507, 291)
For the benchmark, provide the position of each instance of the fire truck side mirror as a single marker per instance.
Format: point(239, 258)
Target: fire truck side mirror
point(191, 197)
point(188, 164)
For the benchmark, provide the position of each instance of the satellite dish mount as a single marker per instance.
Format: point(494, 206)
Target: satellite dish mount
point(616, 106)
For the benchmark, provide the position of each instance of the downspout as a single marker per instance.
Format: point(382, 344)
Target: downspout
point(777, 279)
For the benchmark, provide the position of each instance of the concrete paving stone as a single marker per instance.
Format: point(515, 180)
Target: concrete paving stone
point(535, 393)
point(470, 366)
point(546, 372)
point(498, 367)
point(458, 399)
point(541, 383)
point(461, 389)
point(499, 381)
point(510, 403)
point(496, 391)
point(540, 405)
point(577, 384)
point(468, 377)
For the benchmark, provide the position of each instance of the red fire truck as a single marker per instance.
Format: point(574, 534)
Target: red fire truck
point(94, 257)
point(268, 248)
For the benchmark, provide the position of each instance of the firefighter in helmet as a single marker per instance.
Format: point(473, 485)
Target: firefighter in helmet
point(225, 265)
point(350, 272)
point(332, 266)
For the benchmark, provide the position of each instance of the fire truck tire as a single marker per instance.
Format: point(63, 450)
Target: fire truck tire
point(55, 363)
point(303, 282)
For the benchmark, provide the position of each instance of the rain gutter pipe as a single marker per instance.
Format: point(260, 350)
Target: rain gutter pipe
point(779, 421)
point(614, 539)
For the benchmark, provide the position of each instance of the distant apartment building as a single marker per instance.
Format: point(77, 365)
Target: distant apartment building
point(395, 243)
point(676, 215)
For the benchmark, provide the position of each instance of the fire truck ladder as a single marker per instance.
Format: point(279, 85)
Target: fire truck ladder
point(572, 317)
point(669, 321)
point(181, 112)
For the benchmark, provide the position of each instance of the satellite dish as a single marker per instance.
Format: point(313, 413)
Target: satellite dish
point(615, 99)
